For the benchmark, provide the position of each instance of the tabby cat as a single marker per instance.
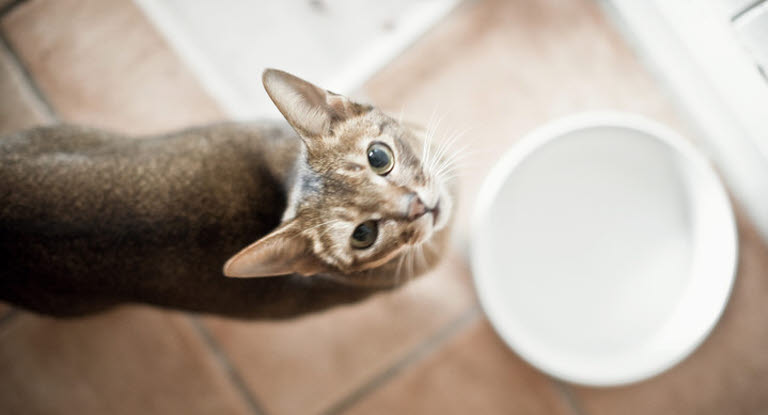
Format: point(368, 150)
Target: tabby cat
point(345, 203)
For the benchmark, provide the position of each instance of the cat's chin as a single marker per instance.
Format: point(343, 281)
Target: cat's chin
point(435, 220)
point(441, 213)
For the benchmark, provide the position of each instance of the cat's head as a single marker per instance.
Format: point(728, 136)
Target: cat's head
point(369, 191)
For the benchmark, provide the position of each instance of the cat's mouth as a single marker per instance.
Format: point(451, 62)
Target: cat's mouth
point(432, 219)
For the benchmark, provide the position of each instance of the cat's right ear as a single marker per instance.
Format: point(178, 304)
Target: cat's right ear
point(310, 110)
point(281, 252)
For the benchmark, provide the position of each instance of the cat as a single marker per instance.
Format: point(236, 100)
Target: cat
point(340, 203)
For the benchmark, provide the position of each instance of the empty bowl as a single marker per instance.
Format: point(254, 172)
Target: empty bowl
point(603, 248)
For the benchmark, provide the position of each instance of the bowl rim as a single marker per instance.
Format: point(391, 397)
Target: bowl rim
point(558, 129)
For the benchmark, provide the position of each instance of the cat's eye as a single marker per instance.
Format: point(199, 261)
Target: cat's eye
point(365, 234)
point(380, 158)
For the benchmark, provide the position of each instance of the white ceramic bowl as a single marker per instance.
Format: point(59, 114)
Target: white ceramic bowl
point(603, 248)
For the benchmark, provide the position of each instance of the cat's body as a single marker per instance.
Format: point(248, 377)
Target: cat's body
point(85, 214)
point(90, 219)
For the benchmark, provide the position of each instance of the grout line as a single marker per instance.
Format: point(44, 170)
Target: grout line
point(27, 77)
point(567, 393)
point(763, 72)
point(10, 6)
point(415, 355)
point(226, 365)
point(747, 9)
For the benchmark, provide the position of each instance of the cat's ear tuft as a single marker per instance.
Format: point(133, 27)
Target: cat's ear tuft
point(309, 109)
point(283, 251)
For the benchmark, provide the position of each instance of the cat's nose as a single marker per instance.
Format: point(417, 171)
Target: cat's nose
point(416, 207)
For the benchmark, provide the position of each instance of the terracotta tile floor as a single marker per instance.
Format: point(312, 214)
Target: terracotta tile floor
point(19, 107)
point(474, 373)
point(496, 67)
point(728, 374)
point(312, 364)
point(117, 74)
point(128, 361)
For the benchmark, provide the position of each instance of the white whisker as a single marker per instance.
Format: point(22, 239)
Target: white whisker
point(432, 127)
point(445, 146)
point(411, 259)
point(449, 178)
point(450, 161)
point(450, 166)
point(399, 266)
point(424, 263)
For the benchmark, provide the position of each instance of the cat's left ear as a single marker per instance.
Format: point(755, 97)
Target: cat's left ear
point(310, 110)
point(283, 251)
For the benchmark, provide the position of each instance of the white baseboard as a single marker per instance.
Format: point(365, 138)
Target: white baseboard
point(692, 48)
point(337, 45)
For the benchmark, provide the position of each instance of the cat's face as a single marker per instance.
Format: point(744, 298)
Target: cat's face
point(370, 189)
point(368, 194)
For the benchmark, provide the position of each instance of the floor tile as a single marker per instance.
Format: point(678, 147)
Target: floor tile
point(130, 361)
point(500, 68)
point(19, 107)
point(474, 374)
point(118, 74)
point(728, 374)
point(306, 365)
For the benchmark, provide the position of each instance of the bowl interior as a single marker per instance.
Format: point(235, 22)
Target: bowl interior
point(603, 254)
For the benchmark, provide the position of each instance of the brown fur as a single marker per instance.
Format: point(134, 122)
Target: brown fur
point(89, 219)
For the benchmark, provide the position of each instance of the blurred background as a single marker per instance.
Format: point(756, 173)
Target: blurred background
point(494, 68)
